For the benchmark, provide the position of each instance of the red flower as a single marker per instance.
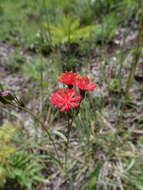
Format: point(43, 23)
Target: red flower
point(83, 83)
point(65, 99)
point(68, 78)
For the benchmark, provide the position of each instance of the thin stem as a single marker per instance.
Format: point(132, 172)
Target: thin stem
point(67, 143)
point(41, 87)
point(1, 87)
point(136, 57)
point(69, 127)
point(41, 124)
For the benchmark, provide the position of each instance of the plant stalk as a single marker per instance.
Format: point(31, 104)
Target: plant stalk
point(69, 127)
point(41, 124)
point(136, 57)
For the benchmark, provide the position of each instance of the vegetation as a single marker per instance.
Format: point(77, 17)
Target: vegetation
point(88, 134)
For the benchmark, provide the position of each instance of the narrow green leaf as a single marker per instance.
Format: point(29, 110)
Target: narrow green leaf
point(93, 177)
point(61, 135)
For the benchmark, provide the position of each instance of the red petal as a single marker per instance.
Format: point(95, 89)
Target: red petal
point(91, 86)
point(65, 108)
point(74, 105)
point(70, 92)
point(77, 98)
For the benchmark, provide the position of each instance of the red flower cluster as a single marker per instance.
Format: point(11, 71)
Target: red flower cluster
point(69, 98)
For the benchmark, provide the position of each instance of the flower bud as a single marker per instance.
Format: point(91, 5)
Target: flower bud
point(6, 97)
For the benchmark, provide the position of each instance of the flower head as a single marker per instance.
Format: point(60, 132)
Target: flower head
point(68, 78)
point(65, 99)
point(83, 83)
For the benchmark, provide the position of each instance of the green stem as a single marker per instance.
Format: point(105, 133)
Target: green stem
point(136, 57)
point(1, 87)
point(41, 86)
point(69, 127)
point(41, 124)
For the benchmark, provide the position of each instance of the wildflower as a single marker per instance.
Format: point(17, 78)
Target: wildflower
point(65, 99)
point(6, 97)
point(83, 83)
point(68, 78)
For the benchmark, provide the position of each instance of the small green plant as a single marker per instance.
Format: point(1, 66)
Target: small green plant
point(69, 31)
point(26, 170)
point(68, 35)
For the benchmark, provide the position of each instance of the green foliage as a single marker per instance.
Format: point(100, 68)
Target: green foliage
point(102, 16)
point(6, 136)
point(114, 85)
point(69, 35)
point(107, 29)
point(134, 177)
point(16, 166)
point(94, 177)
point(7, 149)
point(37, 69)
point(69, 31)
point(26, 169)
point(71, 63)
point(14, 26)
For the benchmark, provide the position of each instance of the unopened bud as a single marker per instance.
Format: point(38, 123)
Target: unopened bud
point(6, 97)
